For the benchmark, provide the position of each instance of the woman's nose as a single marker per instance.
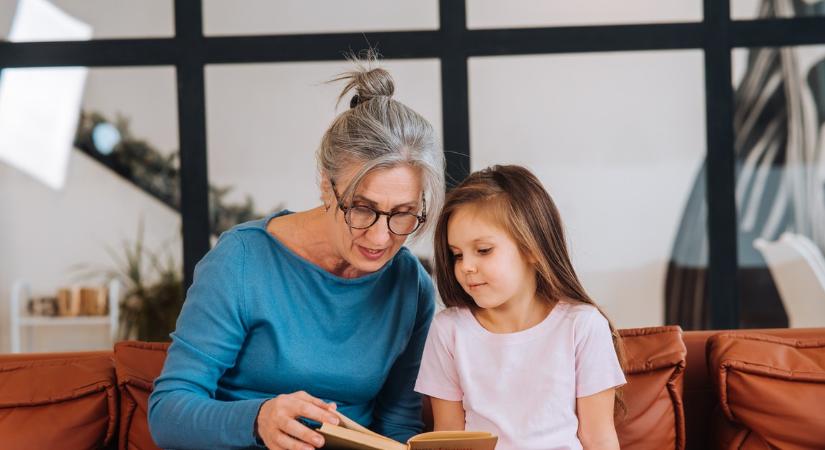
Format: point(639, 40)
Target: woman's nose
point(379, 233)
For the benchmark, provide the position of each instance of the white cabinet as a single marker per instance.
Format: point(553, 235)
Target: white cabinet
point(24, 325)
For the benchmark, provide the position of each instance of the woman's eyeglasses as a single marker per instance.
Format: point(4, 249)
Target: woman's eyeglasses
point(399, 223)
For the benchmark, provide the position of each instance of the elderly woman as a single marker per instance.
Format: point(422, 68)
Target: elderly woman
point(296, 314)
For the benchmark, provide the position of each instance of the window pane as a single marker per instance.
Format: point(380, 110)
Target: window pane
point(619, 141)
point(542, 13)
point(756, 9)
point(316, 16)
point(59, 20)
point(265, 122)
point(76, 223)
point(780, 185)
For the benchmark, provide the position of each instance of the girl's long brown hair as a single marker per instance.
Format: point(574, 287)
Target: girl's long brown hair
point(514, 198)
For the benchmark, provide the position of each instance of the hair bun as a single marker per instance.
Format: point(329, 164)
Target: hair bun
point(373, 83)
point(366, 80)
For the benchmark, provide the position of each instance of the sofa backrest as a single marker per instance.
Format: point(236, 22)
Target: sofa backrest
point(705, 424)
point(97, 399)
point(120, 383)
point(655, 367)
point(698, 391)
point(58, 400)
point(789, 376)
point(137, 364)
point(655, 363)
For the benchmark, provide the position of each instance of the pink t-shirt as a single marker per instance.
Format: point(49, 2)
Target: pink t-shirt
point(521, 386)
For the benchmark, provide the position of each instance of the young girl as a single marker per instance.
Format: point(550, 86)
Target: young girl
point(521, 350)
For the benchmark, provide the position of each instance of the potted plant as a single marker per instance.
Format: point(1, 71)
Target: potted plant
point(153, 294)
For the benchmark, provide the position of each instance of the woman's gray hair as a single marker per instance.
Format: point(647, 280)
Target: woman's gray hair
point(378, 132)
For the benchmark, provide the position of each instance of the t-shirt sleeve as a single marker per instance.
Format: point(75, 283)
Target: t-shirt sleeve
point(438, 376)
point(597, 366)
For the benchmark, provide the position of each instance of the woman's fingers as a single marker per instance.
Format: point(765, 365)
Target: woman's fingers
point(314, 400)
point(317, 413)
point(286, 442)
point(278, 425)
point(297, 430)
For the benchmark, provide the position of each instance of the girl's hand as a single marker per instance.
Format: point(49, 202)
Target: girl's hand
point(279, 428)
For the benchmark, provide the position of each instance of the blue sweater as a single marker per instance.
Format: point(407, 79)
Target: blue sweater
point(260, 321)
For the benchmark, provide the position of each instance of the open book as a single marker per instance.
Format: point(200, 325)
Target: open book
point(349, 435)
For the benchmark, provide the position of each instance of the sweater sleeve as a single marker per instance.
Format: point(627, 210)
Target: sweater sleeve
point(210, 331)
point(397, 412)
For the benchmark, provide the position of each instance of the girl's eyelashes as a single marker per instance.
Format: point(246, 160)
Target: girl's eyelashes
point(480, 251)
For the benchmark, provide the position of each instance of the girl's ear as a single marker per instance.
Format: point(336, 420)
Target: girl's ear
point(528, 255)
point(531, 258)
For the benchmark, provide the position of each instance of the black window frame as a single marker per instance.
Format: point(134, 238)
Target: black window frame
point(189, 51)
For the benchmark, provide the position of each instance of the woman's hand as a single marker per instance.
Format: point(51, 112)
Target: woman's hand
point(279, 428)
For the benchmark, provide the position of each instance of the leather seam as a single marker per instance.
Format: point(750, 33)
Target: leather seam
point(86, 391)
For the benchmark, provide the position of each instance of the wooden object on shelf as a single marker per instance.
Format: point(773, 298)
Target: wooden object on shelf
point(93, 301)
point(82, 301)
point(21, 321)
point(68, 302)
point(42, 306)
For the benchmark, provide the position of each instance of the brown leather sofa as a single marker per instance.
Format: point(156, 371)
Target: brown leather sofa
point(697, 390)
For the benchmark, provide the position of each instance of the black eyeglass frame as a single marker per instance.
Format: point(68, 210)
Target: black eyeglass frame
point(378, 213)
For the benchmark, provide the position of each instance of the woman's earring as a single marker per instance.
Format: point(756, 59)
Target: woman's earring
point(326, 207)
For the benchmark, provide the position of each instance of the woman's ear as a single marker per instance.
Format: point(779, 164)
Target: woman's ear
point(326, 197)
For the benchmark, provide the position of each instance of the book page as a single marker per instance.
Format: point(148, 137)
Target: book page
point(432, 435)
point(454, 440)
point(350, 424)
point(337, 437)
point(350, 435)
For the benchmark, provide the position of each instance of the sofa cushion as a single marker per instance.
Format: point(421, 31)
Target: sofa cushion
point(770, 388)
point(700, 395)
point(64, 400)
point(655, 363)
point(137, 365)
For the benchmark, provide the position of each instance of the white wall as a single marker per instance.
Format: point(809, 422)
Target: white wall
point(543, 13)
point(46, 234)
point(240, 17)
point(617, 138)
point(110, 18)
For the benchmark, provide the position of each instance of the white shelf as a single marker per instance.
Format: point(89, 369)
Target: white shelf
point(60, 321)
point(21, 321)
